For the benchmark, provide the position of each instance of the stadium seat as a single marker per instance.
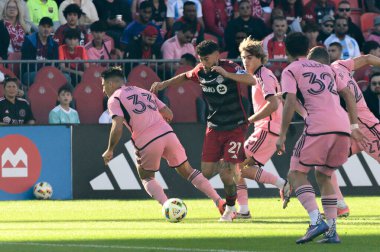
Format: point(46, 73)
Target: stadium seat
point(7, 71)
point(182, 69)
point(366, 22)
point(14, 67)
point(142, 76)
point(89, 103)
point(52, 76)
point(42, 98)
point(208, 36)
point(92, 76)
point(355, 16)
point(183, 101)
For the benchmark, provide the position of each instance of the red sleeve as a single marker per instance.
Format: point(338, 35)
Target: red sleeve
point(209, 19)
point(84, 53)
point(61, 52)
point(230, 66)
point(193, 74)
point(309, 12)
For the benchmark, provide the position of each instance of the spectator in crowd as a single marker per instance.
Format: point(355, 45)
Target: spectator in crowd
point(349, 44)
point(188, 59)
point(327, 28)
point(189, 17)
point(89, 12)
point(2, 77)
point(372, 94)
point(315, 10)
point(12, 29)
point(39, 9)
point(134, 29)
point(369, 47)
point(72, 14)
point(63, 114)
point(239, 36)
point(311, 31)
point(14, 110)
point(293, 10)
point(158, 12)
point(252, 26)
point(344, 10)
point(373, 5)
point(38, 46)
point(273, 44)
point(116, 14)
point(179, 44)
point(71, 50)
point(175, 11)
point(255, 5)
point(101, 46)
point(335, 51)
point(375, 35)
point(22, 9)
point(217, 17)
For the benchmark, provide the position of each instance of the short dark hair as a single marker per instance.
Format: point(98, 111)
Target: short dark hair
point(188, 3)
point(337, 44)
point(207, 47)
point(65, 88)
point(373, 74)
point(185, 27)
point(369, 46)
point(112, 72)
point(98, 26)
point(319, 54)
point(72, 33)
point(72, 8)
point(243, 1)
point(310, 27)
point(190, 58)
point(145, 5)
point(8, 79)
point(46, 21)
point(339, 17)
point(297, 44)
point(344, 2)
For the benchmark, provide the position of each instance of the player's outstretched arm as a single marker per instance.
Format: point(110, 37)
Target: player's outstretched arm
point(287, 115)
point(167, 114)
point(267, 110)
point(115, 135)
point(158, 86)
point(365, 60)
point(243, 78)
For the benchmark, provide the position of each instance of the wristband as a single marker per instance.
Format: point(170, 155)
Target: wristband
point(354, 126)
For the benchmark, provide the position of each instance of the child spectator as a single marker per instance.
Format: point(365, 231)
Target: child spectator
point(63, 114)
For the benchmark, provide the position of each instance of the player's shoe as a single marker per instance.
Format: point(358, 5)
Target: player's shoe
point(221, 205)
point(228, 216)
point(327, 238)
point(343, 212)
point(313, 231)
point(243, 215)
point(285, 193)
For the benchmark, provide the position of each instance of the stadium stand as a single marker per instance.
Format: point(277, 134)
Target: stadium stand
point(15, 67)
point(52, 76)
point(92, 76)
point(43, 97)
point(366, 22)
point(89, 102)
point(182, 69)
point(142, 76)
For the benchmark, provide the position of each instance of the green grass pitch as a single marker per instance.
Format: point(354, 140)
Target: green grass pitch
point(111, 225)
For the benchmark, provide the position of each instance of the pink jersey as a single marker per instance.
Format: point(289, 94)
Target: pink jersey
point(140, 109)
point(267, 85)
point(315, 86)
point(343, 69)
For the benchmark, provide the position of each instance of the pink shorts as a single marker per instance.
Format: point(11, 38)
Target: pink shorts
point(167, 146)
point(325, 152)
point(372, 147)
point(261, 145)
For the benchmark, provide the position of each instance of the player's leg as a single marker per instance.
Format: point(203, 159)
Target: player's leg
point(343, 209)
point(227, 174)
point(210, 169)
point(242, 197)
point(372, 146)
point(152, 187)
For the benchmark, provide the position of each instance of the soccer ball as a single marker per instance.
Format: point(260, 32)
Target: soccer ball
point(43, 190)
point(174, 210)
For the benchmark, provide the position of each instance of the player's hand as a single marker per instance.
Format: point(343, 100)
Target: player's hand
point(157, 86)
point(20, 93)
point(219, 70)
point(280, 145)
point(107, 156)
point(359, 137)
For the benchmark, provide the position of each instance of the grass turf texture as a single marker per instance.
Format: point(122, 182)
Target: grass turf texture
point(111, 225)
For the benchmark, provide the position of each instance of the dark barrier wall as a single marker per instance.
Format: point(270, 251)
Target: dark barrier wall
point(93, 180)
point(30, 154)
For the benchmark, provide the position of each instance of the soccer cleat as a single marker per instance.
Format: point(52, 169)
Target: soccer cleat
point(343, 212)
point(313, 231)
point(228, 216)
point(243, 215)
point(334, 238)
point(285, 193)
point(221, 205)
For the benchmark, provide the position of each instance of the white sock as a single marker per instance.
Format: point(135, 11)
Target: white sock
point(243, 209)
point(230, 208)
point(341, 204)
point(280, 183)
point(332, 227)
point(314, 217)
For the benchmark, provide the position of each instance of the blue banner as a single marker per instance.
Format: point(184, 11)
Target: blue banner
point(31, 154)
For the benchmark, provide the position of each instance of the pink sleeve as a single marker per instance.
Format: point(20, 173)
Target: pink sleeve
point(349, 64)
point(159, 103)
point(167, 53)
point(288, 82)
point(340, 79)
point(269, 86)
point(114, 107)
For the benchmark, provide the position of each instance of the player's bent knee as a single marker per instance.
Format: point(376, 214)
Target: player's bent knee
point(144, 174)
point(321, 177)
point(185, 170)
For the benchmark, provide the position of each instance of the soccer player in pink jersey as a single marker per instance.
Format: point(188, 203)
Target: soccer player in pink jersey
point(324, 144)
point(147, 118)
point(261, 145)
point(367, 122)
